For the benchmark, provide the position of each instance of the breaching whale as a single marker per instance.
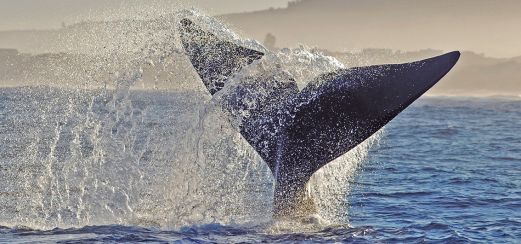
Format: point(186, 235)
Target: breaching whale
point(297, 132)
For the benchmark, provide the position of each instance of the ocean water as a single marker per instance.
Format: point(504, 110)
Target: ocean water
point(108, 166)
point(111, 137)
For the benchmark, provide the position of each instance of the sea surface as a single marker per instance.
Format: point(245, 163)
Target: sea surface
point(74, 167)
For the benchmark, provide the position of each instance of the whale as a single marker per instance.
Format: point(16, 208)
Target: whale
point(297, 132)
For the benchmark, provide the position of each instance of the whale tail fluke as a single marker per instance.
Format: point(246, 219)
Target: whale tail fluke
point(330, 116)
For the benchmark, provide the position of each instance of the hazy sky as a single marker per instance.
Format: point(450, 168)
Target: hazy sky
point(492, 27)
point(44, 14)
point(484, 26)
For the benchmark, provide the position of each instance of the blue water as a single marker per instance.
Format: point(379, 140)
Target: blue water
point(447, 170)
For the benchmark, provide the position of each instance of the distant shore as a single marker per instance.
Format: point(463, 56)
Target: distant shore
point(474, 75)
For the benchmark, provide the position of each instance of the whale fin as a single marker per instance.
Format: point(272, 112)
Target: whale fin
point(304, 131)
point(332, 115)
point(215, 60)
point(343, 108)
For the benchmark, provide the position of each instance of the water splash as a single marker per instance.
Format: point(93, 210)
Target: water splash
point(116, 128)
point(330, 185)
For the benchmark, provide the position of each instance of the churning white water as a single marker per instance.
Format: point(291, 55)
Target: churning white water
point(112, 126)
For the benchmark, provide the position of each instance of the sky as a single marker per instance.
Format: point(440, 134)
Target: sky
point(491, 27)
point(45, 14)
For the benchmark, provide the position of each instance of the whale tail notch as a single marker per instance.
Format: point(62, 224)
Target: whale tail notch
point(329, 117)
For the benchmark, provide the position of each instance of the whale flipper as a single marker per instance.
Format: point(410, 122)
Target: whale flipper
point(215, 60)
point(330, 116)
